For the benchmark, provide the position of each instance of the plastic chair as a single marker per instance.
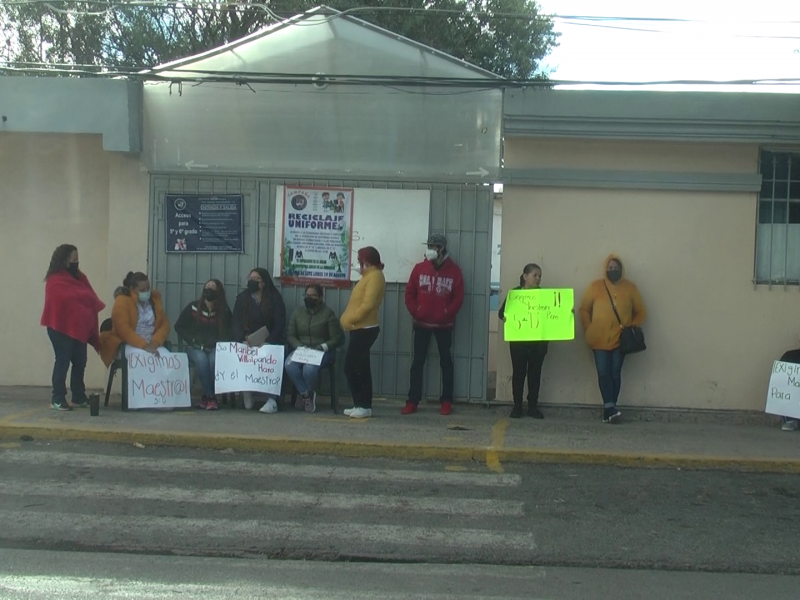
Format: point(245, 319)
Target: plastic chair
point(119, 364)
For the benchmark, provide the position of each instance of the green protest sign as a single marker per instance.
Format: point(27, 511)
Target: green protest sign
point(538, 315)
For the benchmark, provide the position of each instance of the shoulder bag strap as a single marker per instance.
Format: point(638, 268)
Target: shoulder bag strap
point(613, 306)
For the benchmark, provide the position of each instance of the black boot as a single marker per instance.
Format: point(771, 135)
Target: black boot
point(533, 411)
point(516, 412)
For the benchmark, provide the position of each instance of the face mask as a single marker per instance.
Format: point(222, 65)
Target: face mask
point(209, 294)
point(614, 276)
point(310, 302)
point(431, 254)
point(73, 268)
point(144, 296)
point(252, 286)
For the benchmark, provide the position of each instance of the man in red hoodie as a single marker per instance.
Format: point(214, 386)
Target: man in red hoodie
point(434, 295)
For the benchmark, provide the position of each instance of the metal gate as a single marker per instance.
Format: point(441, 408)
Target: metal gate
point(462, 212)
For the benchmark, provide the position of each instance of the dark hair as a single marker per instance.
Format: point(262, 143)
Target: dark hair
point(316, 287)
point(58, 261)
point(528, 268)
point(267, 295)
point(132, 279)
point(371, 255)
point(220, 304)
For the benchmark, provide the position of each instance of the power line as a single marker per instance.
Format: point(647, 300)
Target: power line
point(243, 78)
point(282, 15)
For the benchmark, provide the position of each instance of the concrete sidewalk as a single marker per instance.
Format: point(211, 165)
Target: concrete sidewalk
point(471, 433)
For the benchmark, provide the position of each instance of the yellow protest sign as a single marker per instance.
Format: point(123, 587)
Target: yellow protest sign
point(539, 315)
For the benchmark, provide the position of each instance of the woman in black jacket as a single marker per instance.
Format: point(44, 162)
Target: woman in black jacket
point(527, 358)
point(260, 305)
point(201, 325)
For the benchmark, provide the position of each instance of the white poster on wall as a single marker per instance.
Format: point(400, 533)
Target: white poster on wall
point(783, 395)
point(158, 381)
point(242, 368)
point(396, 222)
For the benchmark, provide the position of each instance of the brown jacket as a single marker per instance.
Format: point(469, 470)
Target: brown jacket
point(124, 318)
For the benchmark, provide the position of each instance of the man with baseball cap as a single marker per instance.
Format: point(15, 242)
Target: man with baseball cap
point(434, 295)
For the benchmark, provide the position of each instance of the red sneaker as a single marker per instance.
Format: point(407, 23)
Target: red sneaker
point(409, 408)
point(447, 408)
point(202, 404)
point(212, 404)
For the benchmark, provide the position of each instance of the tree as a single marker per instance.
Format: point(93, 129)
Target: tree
point(507, 37)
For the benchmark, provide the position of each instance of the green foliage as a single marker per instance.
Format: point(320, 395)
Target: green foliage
point(145, 36)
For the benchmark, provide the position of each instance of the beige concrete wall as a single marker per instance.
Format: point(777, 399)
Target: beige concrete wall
point(62, 189)
point(711, 335)
point(627, 155)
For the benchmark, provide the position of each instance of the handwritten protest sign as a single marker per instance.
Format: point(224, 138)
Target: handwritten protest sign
point(783, 395)
point(158, 381)
point(241, 368)
point(538, 315)
point(307, 356)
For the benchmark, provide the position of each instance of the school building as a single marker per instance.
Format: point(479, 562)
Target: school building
point(698, 192)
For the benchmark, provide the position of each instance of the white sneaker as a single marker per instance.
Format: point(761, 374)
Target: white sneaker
point(360, 413)
point(348, 411)
point(270, 407)
point(790, 425)
point(248, 400)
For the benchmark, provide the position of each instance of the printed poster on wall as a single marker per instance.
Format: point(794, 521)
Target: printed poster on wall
point(204, 223)
point(317, 236)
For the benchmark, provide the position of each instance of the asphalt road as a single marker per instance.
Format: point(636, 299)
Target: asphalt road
point(43, 575)
point(165, 501)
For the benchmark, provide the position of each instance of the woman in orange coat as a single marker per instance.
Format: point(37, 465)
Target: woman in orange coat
point(137, 319)
point(603, 329)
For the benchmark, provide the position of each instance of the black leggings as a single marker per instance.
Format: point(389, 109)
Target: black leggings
point(526, 360)
point(357, 367)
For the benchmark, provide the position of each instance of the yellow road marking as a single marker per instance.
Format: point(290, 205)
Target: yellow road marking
point(498, 438)
point(21, 415)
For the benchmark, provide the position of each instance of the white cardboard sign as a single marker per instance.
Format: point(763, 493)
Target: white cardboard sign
point(158, 381)
point(307, 356)
point(242, 368)
point(783, 395)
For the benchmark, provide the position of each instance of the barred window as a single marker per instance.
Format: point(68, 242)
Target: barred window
point(778, 230)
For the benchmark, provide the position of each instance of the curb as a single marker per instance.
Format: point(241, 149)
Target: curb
point(438, 452)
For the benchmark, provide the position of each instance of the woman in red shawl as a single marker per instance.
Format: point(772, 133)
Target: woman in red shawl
point(70, 315)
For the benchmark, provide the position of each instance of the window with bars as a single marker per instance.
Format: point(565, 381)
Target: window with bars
point(778, 232)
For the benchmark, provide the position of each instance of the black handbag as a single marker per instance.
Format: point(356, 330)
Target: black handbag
point(631, 338)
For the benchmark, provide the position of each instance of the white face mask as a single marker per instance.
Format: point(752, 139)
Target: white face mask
point(431, 254)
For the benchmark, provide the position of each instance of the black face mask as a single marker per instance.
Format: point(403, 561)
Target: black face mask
point(209, 295)
point(614, 276)
point(310, 303)
point(252, 286)
point(73, 268)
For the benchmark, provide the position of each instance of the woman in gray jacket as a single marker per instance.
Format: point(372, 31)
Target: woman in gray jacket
point(315, 326)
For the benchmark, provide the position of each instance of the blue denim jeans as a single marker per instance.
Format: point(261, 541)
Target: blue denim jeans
point(305, 376)
point(203, 361)
point(609, 374)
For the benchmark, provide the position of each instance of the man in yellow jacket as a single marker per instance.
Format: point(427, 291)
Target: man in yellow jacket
point(603, 329)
